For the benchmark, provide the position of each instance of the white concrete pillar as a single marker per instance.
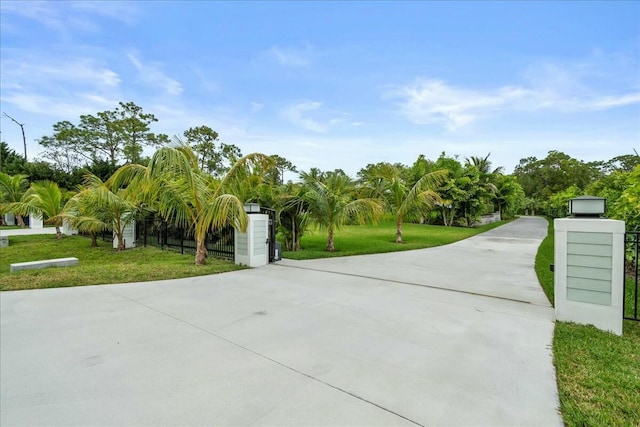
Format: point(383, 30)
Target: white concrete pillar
point(10, 219)
point(35, 221)
point(67, 230)
point(589, 272)
point(128, 235)
point(252, 247)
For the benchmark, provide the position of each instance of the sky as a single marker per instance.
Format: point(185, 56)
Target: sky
point(336, 84)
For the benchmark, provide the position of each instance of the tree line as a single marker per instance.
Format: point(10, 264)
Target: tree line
point(93, 174)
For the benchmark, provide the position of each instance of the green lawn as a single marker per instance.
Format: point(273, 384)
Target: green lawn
point(380, 238)
point(598, 372)
point(100, 265)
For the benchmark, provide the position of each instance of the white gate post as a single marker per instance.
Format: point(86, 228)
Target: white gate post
point(251, 248)
point(589, 272)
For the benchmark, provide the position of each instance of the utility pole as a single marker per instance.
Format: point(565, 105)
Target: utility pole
point(24, 139)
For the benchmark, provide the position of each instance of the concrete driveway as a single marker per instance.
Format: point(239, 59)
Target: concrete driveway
point(455, 335)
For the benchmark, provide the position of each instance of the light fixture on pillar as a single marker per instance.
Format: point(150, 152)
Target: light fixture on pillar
point(587, 207)
point(251, 208)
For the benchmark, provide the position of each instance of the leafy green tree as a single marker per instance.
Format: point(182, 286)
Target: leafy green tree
point(173, 185)
point(12, 188)
point(112, 136)
point(214, 157)
point(557, 172)
point(400, 196)
point(557, 206)
point(331, 203)
point(275, 176)
point(99, 136)
point(509, 196)
point(483, 164)
point(621, 189)
point(99, 207)
point(65, 148)
point(463, 193)
point(488, 179)
point(43, 199)
point(85, 216)
point(292, 211)
point(10, 161)
point(131, 127)
point(623, 163)
point(627, 207)
point(470, 197)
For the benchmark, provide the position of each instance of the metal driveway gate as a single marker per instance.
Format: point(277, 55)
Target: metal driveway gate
point(630, 301)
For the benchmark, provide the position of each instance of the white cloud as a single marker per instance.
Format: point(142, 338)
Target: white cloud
point(298, 115)
point(68, 108)
point(206, 83)
point(64, 17)
point(57, 86)
point(256, 106)
point(434, 101)
point(597, 82)
point(124, 11)
point(44, 12)
point(311, 115)
point(151, 74)
point(606, 102)
point(288, 57)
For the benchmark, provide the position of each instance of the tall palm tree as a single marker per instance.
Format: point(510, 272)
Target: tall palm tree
point(173, 185)
point(42, 199)
point(98, 207)
point(484, 165)
point(331, 203)
point(292, 211)
point(84, 216)
point(488, 177)
point(401, 196)
point(12, 188)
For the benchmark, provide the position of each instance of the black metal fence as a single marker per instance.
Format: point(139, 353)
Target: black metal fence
point(153, 231)
point(630, 301)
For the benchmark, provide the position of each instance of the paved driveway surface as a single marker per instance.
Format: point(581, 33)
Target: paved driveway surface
point(455, 335)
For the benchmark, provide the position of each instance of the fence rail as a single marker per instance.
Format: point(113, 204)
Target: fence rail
point(164, 235)
point(630, 308)
point(155, 232)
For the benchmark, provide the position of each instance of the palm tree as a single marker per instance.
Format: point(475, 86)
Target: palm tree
point(12, 188)
point(331, 204)
point(484, 165)
point(292, 211)
point(488, 177)
point(173, 185)
point(400, 196)
point(97, 207)
point(41, 199)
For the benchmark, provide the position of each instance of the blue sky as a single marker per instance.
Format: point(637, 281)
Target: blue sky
point(336, 84)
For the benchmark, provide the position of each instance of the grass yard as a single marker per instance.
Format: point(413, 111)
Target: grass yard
point(598, 372)
point(380, 238)
point(101, 265)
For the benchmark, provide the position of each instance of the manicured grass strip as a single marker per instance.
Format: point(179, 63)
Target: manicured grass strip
point(544, 259)
point(598, 372)
point(598, 375)
point(101, 265)
point(380, 238)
